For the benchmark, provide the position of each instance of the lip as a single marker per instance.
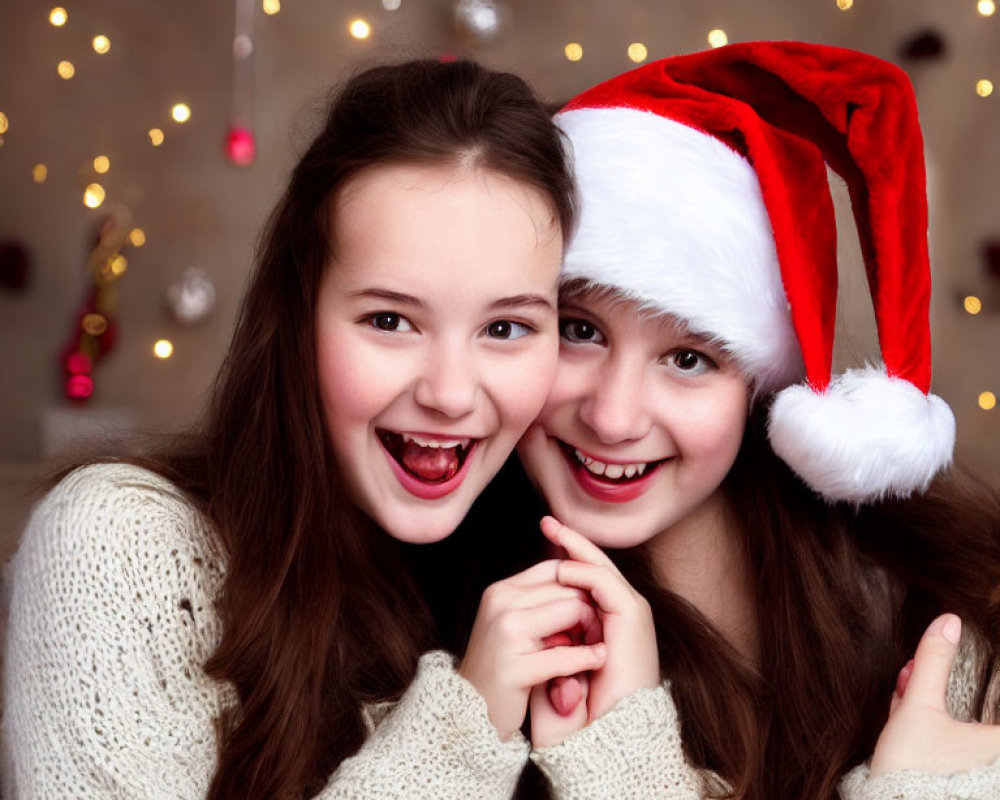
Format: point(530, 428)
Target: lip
point(606, 491)
point(430, 491)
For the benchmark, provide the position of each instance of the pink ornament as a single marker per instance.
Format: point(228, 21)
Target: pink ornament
point(78, 363)
point(240, 145)
point(79, 387)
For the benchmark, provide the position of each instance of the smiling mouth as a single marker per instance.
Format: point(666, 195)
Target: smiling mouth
point(424, 458)
point(617, 474)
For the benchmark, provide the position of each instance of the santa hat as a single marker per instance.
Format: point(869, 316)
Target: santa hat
point(704, 194)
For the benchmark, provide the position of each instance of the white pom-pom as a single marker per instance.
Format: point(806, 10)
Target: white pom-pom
point(867, 436)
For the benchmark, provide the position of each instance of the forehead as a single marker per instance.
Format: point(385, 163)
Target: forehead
point(602, 297)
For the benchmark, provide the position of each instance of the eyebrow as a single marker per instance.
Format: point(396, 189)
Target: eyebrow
point(415, 302)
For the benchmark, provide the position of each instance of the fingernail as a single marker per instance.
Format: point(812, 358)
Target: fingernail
point(952, 630)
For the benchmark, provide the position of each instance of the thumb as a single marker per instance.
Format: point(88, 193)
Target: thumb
point(928, 683)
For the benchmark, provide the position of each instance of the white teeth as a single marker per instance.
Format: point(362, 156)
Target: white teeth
point(611, 471)
point(435, 443)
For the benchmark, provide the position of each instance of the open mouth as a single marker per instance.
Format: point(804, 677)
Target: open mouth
point(614, 474)
point(428, 460)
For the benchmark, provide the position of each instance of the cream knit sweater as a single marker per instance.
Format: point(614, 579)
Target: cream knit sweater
point(111, 618)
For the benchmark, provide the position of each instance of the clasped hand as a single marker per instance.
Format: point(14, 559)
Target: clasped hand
point(569, 636)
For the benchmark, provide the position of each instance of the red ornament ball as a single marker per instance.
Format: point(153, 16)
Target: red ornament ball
point(79, 387)
point(78, 363)
point(241, 148)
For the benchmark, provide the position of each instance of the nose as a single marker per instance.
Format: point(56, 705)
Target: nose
point(615, 407)
point(448, 383)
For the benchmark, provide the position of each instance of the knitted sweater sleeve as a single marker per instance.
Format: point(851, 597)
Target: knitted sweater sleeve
point(633, 752)
point(112, 618)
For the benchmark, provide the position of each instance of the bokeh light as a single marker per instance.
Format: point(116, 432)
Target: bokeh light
point(181, 112)
point(4, 123)
point(718, 38)
point(637, 52)
point(93, 195)
point(271, 6)
point(391, 5)
point(987, 401)
point(102, 164)
point(66, 70)
point(163, 348)
point(101, 44)
point(137, 237)
point(574, 51)
point(39, 173)
point(984, 87)
point(58, 16)
point(155, 137)
point(360, 29)
point(843, 5)
point(987, 8)
point(972, 304)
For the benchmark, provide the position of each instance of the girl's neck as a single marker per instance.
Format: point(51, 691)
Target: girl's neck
point(702, 559)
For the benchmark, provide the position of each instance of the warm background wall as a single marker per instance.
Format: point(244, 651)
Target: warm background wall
point(197, 209)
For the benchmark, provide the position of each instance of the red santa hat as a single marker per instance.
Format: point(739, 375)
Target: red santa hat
point(704, 194)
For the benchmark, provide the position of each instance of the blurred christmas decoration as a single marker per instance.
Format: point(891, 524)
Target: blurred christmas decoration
point(927, 45)
point(480, 21)
point(191, 298)
point(240, 145)
point(95, 331)
point(15, 266)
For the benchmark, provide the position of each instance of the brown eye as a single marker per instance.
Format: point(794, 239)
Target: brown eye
point(579, 331)
point(386, 322)
point(687, 359)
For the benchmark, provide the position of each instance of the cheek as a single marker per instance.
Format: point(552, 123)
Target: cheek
point(716, 432)
point(352, 384)
point(520, 389)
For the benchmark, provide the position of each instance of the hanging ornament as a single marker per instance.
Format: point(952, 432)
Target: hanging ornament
point(15, 266)
point(480, 21)
point(191, 298)
point(925, 45)
point(95, 331)
point(240, 145)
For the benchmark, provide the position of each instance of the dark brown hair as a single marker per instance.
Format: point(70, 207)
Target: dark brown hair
point(322, 611)
point(843, 595)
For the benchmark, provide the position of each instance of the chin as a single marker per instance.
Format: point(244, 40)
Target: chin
point(612, 530)
point(432, 527)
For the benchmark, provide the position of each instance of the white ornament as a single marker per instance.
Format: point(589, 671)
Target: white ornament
point(192, 297)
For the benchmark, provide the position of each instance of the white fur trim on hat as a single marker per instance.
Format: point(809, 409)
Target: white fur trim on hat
point(867, 436)
point(713, 261)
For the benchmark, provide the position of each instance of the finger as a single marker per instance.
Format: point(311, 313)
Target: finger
point(524, 597)
point(557, 662)
point(558, 640)
point(565, 694)
point(928, 681)
point(538, 623)
point(541, 572)
point(610, 590)
point(577, 546)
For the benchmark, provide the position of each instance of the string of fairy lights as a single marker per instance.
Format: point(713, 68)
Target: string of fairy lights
point(478, 20)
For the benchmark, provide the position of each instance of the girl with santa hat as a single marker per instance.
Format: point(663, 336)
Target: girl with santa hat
point(803, 595)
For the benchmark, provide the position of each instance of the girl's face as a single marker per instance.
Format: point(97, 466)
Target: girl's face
point(437, 337)
point(643, 423)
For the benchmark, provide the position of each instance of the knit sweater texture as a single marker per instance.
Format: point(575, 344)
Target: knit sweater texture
point(111, 618)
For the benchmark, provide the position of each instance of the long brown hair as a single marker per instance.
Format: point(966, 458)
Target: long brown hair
point(322, 611)
point(843, 595)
